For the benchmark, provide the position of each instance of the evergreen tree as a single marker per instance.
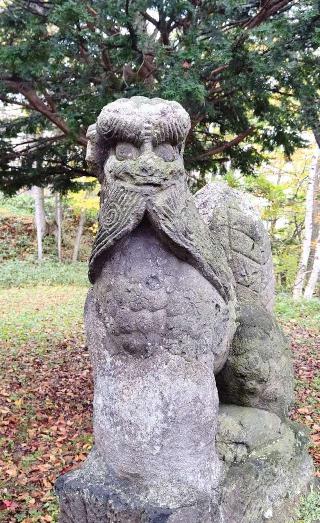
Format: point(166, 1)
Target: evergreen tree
point(247, 72)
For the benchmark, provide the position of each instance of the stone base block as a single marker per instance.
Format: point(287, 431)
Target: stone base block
point(91, 495)
point(266, 468)
point(266, 465)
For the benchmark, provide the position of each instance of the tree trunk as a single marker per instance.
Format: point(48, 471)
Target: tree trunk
point(40, 217)
point(308, 227)
point(316, 134)
point(58, 224)
point(315, 220)
point(76, 248)
point(311, 285)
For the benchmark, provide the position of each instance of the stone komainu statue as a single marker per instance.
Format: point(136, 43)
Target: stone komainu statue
point(178, 318)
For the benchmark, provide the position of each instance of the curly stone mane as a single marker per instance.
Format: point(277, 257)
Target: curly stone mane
point(133, 120)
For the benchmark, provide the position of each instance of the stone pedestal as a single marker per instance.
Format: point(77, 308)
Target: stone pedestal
point(266, 465)
point(264, 470)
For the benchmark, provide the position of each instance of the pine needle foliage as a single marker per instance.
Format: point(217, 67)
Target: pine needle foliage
point(247, 72)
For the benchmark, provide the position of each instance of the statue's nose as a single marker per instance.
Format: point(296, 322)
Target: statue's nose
point(148, 167)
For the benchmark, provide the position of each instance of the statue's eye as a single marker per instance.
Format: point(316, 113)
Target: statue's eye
point(166, 151)
point(126, 151)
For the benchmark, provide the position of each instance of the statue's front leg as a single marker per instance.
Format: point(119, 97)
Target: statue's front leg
point(155, 421)
point(258, 372)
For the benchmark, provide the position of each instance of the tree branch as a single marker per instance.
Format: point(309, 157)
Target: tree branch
point(39, 141)
point(37, 104)
point(218, 70)
point(132, 33)
point(226, 145)
point(316, 134)
point(92, 11)
point(31, 146)
point(269, 8)
point(150, 19)
point(14, 102)
point(37, 8)
point(163, 27)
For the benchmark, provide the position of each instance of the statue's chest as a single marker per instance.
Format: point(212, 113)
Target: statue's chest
point(152, 299)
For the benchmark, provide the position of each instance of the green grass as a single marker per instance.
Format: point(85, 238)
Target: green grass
point(309, 510)
point(20, 205)
point(304, 312)
point(42, 315)
point(16, 273)
point(41, 304)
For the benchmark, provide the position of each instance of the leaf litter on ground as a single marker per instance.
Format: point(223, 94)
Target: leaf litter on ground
point(46, 395)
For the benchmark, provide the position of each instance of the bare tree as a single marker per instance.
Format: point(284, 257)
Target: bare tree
point(308, 223)
point(76, 249)
point(58, 219)
point(40, 217)
point(314, 276)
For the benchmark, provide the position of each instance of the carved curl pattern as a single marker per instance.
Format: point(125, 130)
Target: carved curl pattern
point(121, 210)
point(134, 120)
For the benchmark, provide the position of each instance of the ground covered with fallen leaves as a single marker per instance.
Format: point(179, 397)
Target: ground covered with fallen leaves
point(45, 396)
point(46, 391)
point(301, 323)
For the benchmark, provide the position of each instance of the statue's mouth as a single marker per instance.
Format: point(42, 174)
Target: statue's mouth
point(145, 173)
point(142, 178)
point(150, 180)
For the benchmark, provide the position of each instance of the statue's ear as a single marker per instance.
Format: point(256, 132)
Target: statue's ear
point(96, 152)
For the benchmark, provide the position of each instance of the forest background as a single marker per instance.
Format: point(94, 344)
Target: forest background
point(248, 73)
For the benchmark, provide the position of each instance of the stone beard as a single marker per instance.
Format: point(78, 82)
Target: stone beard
point(143, 176)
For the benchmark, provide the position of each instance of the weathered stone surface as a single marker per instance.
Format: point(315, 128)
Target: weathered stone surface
point(236, 223)
point(177, 302)
point(156, 329)
point(258, 372)
point(89, 495)
point(153, 302)
point(159, 321)
point(265, 470)
point(242, 430)
point(266, 465)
